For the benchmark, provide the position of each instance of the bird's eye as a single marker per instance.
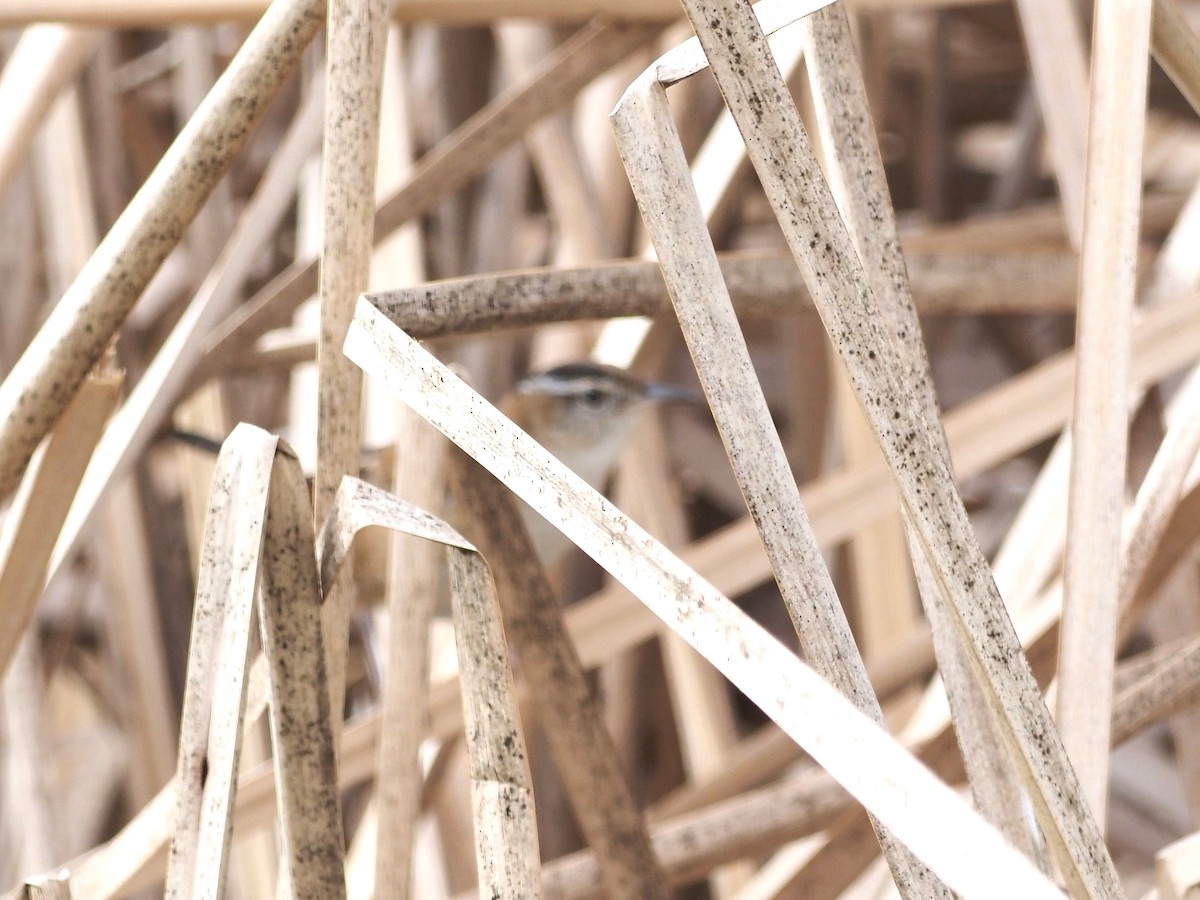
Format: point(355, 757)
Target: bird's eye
point(593, 397)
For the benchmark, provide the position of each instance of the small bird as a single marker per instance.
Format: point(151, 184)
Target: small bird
point(583, 413)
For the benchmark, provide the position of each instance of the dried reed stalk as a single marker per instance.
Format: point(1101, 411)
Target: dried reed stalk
point(556, 157)
point(819, 718)
point(1177, 271)
point(38, 511)
point(693, 845)
point(1058, 62)
point(1033, 549)
point(583, 750)
point(211, 724)
point(1177, 49)
point(106, 872)
point(560, 202)
point(855, 168)
point(445, 12)
point(658, 171)
point(760, 284)
point(689, 845)
point(156, 393)
point(357, 34)
point(505, 835)
point(1177, 869)
point(1166, 686)
point(910, 442)
point(404, 708)
point(259, 517)
point(184, 12)
point(981, 434)
point(506, 843)
point(1100, 418)
point(47, 887)
point(42, 383)
point(452, 164)
point(302, 735)
point(45, 60)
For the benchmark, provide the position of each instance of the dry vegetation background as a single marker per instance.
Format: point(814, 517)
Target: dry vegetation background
point(174, 623)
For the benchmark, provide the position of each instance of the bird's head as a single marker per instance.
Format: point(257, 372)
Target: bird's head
point(585, 412)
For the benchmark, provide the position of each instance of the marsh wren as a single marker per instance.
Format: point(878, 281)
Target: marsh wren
point(583, 413)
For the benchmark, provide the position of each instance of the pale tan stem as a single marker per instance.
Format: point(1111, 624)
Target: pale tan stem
point(1059, 64)
point(33, 520)
point(404, 708)
point(448, 167)
point(45, 59)
point(1100, 421)
point(1177, 49)
point(910, 441)
point(48, 374)
point(583, 751)
point(654, 160)
point(215, 695)
point(301, 734)
point(357, 36)
point(840, 737)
